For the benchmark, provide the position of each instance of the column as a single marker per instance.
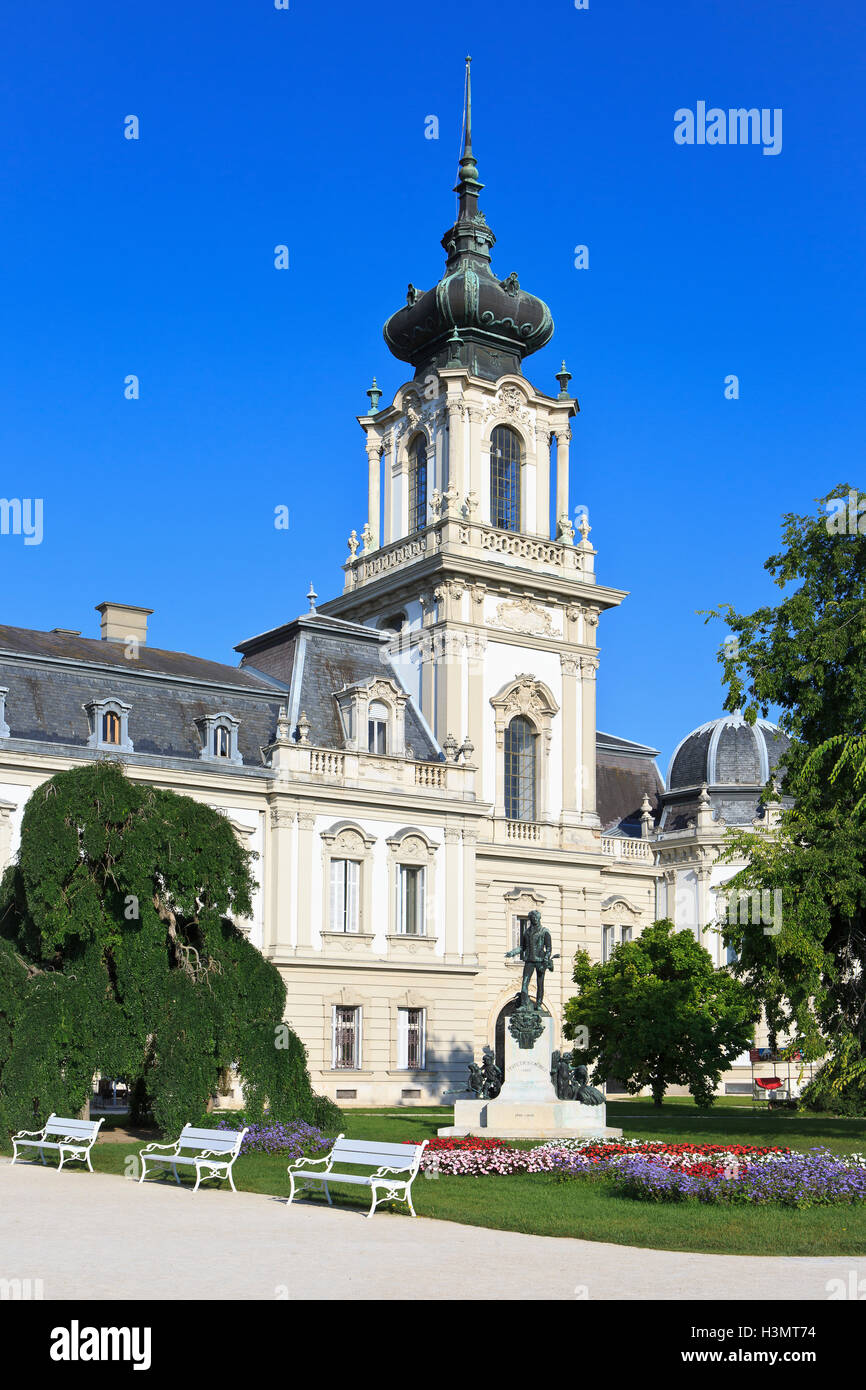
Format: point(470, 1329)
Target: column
point(389, 529)
point(277, 935)
point(473, 481)
point(563, 438)
point(588, 668)
point(456, 476)
point(470, 839)
point(373, 495)
point(452, 893)
point(542, 481)
point(306, 869)
point(571, 760)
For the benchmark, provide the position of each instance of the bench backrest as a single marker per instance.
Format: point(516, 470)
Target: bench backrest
point(221, 1141)
point(78, 1129)
point(374, 1153)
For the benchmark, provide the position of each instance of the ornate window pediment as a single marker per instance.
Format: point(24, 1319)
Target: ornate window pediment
point(375, 702)
point(109, 726)
point(616, 903)
point(528, 697)
point(219, 738)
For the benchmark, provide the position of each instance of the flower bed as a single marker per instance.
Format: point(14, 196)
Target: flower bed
point(294, 1139)
point(656, 1171)
point(817, 1178)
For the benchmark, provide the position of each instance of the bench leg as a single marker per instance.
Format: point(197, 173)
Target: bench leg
point(231, 1179)
point(89, 1164)
point(409, 1200)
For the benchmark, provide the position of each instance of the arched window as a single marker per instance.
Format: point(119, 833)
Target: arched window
point(222, 742)
point(377, 727)
point(520, 770)
point(110, 727)
point(418, 484)
point(506, 456)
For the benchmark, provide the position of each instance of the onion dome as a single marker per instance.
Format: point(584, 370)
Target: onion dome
point(492, 324)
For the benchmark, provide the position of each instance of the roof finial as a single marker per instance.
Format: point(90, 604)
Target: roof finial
point(468, 186)
point(312, 596)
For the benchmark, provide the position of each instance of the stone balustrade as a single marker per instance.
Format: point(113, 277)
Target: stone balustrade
point(337, 767)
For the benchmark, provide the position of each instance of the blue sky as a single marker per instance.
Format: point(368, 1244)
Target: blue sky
point(306, 127)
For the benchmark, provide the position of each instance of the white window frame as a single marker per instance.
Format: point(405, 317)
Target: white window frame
point(420, 925)
point(345, 895)
point(403, 1014)
point(356, 1060)
point(207, 727)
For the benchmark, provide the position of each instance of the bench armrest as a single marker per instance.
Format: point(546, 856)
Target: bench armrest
point(150, 1148)
point(310, 1161)
point(29, 1134)
point(380, 1172)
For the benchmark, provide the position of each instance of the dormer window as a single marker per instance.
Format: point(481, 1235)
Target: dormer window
point(219, 738)
point(4, 727)
point(377, 727)
point(373, 715)
point(109, 726)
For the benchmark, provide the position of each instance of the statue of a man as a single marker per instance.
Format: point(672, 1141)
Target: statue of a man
point(492, 1077)
point(536, 952)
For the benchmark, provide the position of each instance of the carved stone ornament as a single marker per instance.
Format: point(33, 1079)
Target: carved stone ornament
point(522, 615)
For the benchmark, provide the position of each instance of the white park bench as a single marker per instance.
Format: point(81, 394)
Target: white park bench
point(396, 1168)
point(73, 1139)
point(211, 1152)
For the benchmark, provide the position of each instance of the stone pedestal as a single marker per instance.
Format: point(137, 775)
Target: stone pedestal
point(527, 1106)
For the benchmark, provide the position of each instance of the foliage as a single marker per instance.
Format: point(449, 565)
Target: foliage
point(806, 657)
point(840, 1086)
point(658, 1013)
point(118, 955)
point(816, 1179)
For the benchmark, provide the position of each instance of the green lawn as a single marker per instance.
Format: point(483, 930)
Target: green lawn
point(541, 1204)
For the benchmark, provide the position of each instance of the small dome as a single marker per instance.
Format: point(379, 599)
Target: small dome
point(728, 752)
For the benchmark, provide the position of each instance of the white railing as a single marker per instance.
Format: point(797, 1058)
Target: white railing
point(522, 830)
point(620, 847)
point(429, 775)
point(327, 763)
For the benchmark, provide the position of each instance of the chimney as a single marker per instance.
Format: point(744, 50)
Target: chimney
point(123, 622)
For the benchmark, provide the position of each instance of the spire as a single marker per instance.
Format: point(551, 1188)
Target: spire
point(467, 187)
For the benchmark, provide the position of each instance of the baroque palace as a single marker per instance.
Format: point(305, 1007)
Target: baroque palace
point(416, 762)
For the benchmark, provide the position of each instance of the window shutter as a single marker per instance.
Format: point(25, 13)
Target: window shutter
point(421, 919)
point(401, 898)
point(403, 1038)
point(338, 896)
point(352, 877)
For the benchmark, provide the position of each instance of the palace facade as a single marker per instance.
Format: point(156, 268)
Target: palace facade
point(416, 762)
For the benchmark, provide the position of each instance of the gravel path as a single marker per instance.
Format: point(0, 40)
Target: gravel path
point(96, 1236)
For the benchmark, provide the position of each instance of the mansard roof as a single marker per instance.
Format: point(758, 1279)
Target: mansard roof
point(317, 656)
point(625, 773)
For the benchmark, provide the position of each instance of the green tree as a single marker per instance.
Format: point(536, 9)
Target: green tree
point(659, 1014)
point(118, 954)
point(806, 658)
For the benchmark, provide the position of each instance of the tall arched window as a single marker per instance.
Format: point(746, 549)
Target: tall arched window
point(418, 484)
point(506, 456)
point(520, 769)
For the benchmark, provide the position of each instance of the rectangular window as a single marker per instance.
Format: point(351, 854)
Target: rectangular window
point(607, 942)
point(410, 1039)
point(626, 934)
point(517, 925)
point(345, 910)
point(346, 1044)
point(377, 736)
point(410, 900)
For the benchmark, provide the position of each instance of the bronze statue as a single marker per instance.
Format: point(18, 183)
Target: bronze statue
point(586, 1094)
point(564, 1082)
point(536, 952)
point(492, 1078)
point(476, 1079)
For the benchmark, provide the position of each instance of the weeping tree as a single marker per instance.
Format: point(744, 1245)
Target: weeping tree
point(119, 955)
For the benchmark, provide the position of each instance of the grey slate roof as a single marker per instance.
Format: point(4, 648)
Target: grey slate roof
point(51, 677)
point(317, 656)
point(625, 771)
